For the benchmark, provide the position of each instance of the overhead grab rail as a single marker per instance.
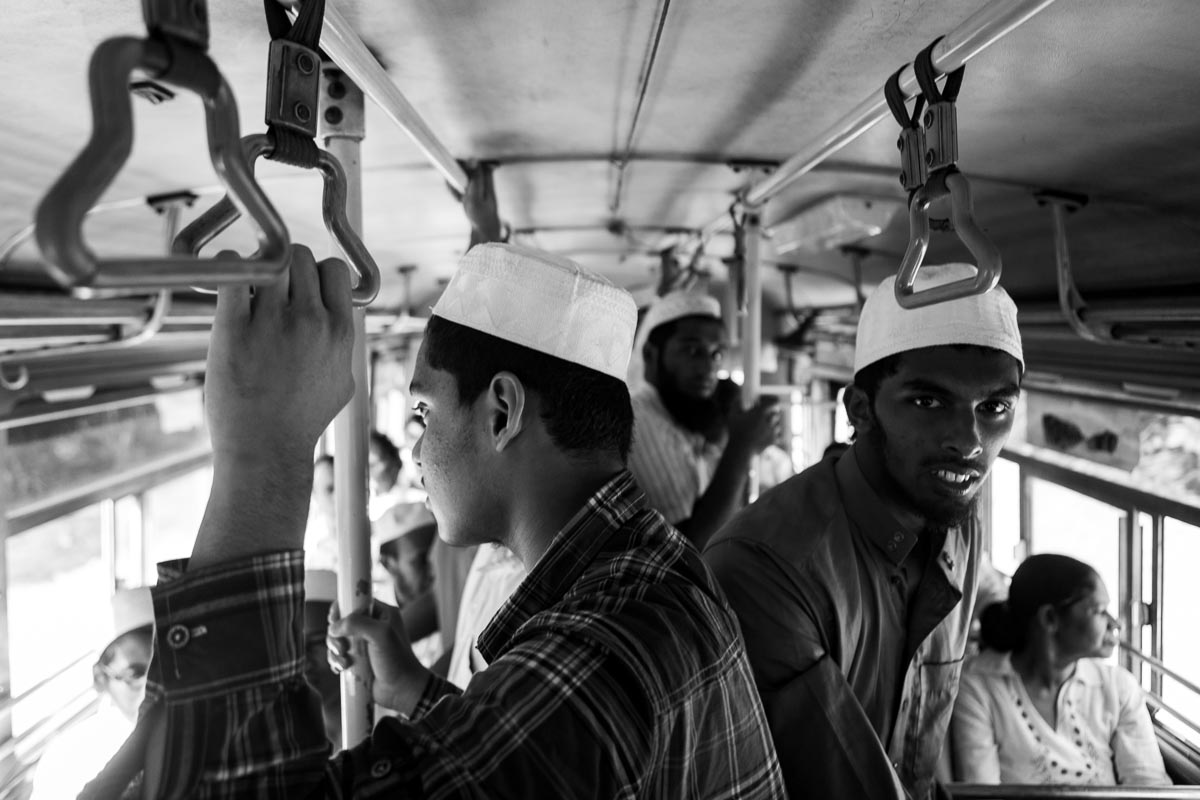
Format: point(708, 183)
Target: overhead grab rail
point(293, 92)
point(170, 206)
point(992, 22)
point(344, 47)
point(173, 52)
point(1159, 322)
point(928, 156)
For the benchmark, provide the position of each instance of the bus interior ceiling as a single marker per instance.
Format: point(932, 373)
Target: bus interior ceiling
point(622, 128)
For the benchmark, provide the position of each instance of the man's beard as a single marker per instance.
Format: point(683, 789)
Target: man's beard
point(939, 515)
point(702, 415)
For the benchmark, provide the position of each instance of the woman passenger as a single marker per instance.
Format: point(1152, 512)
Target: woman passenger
point(1038, 705)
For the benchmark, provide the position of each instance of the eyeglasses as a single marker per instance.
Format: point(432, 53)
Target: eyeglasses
point(130, 675)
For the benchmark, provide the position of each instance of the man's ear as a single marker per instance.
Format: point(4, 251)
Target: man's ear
point(506, 406)
point(858, 409)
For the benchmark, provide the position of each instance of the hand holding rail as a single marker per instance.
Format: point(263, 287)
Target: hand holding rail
point(216, 219)
point(944, 180)
point(174, 52)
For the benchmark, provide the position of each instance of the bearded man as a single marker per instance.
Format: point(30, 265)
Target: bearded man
point(693, 445)
point(854, 582)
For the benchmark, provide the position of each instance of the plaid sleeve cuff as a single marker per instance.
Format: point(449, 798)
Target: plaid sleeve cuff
point(435, 689)
point(228, 628)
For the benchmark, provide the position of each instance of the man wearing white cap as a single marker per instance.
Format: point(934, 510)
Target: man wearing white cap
point(692, 452)
point(78, 753)
point(854, 581)
point(615, 670)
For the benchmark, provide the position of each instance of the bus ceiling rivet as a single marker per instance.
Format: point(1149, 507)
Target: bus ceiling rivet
point(337, 90)
point(302, 112)
point(900, 143)
point(306, 63)
point(929, 156)
point(928, 119)
point(903, 178)
point(333, 115)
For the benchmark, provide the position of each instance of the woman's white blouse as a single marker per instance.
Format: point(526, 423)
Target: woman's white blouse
point(1103, 735)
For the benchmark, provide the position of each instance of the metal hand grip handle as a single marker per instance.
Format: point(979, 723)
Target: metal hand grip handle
point(216, 219)
point(60, 215)
point(987, 256)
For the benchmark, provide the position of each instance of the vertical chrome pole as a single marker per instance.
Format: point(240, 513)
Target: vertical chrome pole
point(342, 126)
point(752, 324)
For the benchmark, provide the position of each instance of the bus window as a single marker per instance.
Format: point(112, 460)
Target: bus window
point(58, 587)
point(1006, 549)
point(1180, 645)
point(1065, 521)
point(172, 516)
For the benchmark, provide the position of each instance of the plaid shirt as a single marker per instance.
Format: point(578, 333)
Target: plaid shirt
point(615, 670)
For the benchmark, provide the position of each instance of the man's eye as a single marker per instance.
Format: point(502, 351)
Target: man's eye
point(926, 402)
point(996, 407)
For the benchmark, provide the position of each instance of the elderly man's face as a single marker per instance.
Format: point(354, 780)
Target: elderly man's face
point(937, 425)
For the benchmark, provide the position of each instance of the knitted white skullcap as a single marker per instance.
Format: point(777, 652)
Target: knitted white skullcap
point(544, 302)
point(987, 320)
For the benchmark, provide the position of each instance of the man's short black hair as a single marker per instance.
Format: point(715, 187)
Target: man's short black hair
point(585, 411)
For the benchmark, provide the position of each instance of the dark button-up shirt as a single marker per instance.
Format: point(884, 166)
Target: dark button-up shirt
point(615, 670)
point(856, 658)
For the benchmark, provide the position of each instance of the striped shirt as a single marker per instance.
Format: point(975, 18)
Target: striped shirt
point(615, 670)
point(672, 464)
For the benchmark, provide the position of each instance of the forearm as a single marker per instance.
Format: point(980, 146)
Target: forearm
point(257, 505)
point(722, 499)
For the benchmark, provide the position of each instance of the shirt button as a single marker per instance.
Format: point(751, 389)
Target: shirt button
point(897, 537)
point(178, 636)
point(380, 768)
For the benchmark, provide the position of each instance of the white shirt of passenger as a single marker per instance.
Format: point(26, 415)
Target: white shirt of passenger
point(495, 574)
point(77, 754)
point(673, 465)
point(1103, 735)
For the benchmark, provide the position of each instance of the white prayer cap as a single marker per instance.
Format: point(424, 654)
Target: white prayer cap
point(131, 609)
point(320, 585)
point(544, 302)
point(677, 305)
point(987, 320)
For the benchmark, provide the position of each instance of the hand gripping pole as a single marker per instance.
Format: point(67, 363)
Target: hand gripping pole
point(60, 215)
point(216, 219)
point(953, 184)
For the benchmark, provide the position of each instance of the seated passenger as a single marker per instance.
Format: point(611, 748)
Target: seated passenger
point(615, 671)
point(1038, 705)
point(76, 754)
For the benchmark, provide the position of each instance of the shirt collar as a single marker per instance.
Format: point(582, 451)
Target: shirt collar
point(572, 550)
point(1087, 670)
point(894, 530)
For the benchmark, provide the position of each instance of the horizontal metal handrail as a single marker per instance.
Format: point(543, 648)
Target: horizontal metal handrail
point(961, 791)
point(8, 703)
point(1161, 667)
point(9, 747)
point(1157, 702)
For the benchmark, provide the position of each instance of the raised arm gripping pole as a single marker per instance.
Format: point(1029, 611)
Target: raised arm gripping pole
point(954, 184)
point(178, 60)
point(216, 219)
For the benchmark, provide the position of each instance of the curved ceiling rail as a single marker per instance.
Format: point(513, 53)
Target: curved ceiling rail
point(982, 29)
point(174, 51)
point(171, 209)
point(1138, 320)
